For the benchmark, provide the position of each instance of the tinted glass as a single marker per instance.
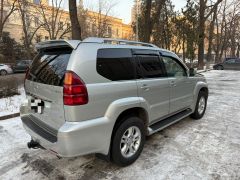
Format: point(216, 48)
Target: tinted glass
point(150, 66)
point(49, 66)
point(230, 61)
point(173, 67)
point(21, 63)
point(115, 64)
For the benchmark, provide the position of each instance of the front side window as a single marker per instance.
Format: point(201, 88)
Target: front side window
point(150, 66)
point(173, 67)
point(115, 64)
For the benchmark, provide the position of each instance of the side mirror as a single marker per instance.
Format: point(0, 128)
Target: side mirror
point(192, 72)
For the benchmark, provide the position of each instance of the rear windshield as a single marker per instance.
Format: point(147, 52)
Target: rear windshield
point(49, 66)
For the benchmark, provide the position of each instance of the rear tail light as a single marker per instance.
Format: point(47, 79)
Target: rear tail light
point(74, 90)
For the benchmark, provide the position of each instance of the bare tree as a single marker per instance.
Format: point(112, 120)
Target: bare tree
point(148, 24)
point(7, 7)
point(151, 22)
point(76, 28)
point(28, 30)
point(210, 35)
point(82, 18)
point(100, 20)
point(226, 40)
point(204, 12)
point(53, 19)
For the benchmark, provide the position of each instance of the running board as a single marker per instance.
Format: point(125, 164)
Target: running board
point(168, 121)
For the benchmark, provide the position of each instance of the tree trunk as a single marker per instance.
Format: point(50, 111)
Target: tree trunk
point(183, 47)
point(147, 21)
point(201, 35)
point(210, 39)
point(1, 20)
point(76, 28)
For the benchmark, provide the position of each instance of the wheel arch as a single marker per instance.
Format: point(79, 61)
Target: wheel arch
point(200, 86)
point(134, 111)
point(205, 90)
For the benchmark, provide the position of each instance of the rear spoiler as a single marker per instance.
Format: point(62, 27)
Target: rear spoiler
point(57, 43)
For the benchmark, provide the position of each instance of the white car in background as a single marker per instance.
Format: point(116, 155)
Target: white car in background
point(5, 69)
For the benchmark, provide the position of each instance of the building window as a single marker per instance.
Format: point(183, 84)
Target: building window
point(68, 25)
point(27, 20)
point(38, 38)
point(5, 14)
point(61, 25)
point(117, 32)
point(36, 21)
point(36, 1)
point(109, 31)
point(94, 28)
point(46, 38)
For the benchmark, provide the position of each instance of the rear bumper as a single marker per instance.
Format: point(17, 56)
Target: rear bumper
point(73, 138)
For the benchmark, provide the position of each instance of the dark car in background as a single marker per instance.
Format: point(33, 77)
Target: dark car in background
point(22, 66)
point(228, 64)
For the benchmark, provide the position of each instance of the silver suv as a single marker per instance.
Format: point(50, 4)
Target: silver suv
point(104, 96)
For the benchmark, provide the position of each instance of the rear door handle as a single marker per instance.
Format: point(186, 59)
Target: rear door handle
point(145, 87)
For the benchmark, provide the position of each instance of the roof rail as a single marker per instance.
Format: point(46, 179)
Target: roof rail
point(116, 41)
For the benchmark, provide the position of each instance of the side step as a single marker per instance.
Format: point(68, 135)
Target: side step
point(168, 121)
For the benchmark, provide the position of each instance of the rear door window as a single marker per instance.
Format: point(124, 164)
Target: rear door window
point(115, 64)
point(150, 66)
point(49, 66)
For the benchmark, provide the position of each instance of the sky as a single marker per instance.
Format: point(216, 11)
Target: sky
point(122, 9)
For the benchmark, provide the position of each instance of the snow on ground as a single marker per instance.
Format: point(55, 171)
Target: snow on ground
point(205, 149)
point(10, 105)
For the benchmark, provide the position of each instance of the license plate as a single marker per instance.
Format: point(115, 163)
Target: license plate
point(37, 105)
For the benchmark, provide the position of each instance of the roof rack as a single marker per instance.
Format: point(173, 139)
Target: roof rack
point(116, 41)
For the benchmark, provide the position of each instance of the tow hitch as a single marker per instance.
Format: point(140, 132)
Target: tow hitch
point(34, 145)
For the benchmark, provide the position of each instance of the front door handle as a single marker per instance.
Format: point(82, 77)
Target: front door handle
point(173, 84)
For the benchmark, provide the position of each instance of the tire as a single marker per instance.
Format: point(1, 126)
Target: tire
point(123, 141)
point(3, 72)
point(220, 68)
point(200, 106)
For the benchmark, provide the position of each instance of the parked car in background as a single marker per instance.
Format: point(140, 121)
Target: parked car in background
point(5, 69)
point(229, 64)
point(22, 66)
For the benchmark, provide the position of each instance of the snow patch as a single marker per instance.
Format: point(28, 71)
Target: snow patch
point(10, 105)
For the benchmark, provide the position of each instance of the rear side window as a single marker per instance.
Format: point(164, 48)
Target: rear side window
point(150, 66)
point(115, 64)
point(49, 66)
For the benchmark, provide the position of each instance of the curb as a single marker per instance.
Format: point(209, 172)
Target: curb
point(9, 116)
